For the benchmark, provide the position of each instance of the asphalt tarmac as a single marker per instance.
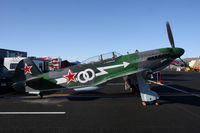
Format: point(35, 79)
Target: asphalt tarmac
point(109, 110)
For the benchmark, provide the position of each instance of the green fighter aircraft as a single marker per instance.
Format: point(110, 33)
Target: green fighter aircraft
point(92, 74)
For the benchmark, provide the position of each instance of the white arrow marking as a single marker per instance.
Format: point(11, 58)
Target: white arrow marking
point(102, 69)
point(61, 80)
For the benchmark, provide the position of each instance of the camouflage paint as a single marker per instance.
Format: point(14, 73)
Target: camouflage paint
point(137, 61)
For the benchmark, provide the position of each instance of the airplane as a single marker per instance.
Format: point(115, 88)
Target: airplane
point(93, 73)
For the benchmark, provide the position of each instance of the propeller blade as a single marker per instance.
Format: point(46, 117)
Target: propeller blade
point(170, 36)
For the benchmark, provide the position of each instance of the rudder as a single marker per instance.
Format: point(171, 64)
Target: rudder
point(25, 69)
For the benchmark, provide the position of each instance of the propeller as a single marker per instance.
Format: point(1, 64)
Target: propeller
point(171, 40)
point(170, 36)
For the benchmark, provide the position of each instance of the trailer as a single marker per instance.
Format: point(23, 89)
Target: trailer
point(11, 62)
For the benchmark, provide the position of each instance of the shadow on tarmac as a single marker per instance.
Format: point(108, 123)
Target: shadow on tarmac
point(188, 89)
point(190, 100)
point(87, 96)
point(176, 80)
point(6, 90)
point(175, 96)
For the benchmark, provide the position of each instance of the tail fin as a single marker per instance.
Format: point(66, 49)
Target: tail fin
point(25, 70)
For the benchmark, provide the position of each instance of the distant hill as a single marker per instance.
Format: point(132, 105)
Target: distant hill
point(189, 59)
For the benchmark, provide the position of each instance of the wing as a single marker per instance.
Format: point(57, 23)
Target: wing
point(123, 75)
point(41, 85)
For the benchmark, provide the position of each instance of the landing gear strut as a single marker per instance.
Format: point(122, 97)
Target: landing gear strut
point(41, 95)
point(130, 84)
point(147, 95)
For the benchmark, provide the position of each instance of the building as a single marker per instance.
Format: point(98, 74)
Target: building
point(54, 63)
point(10, 53)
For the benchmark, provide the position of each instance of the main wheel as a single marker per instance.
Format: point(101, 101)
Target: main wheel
point(144, 103)
point(156, 103)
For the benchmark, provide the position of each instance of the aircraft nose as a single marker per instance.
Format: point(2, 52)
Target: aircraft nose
point(177, 52)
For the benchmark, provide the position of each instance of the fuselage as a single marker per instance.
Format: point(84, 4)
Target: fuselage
point(96, 72)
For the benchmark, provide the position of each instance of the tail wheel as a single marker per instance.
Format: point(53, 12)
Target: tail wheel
point(41, 95)
point(156, 103)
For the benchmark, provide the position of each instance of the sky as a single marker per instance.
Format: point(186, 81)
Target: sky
point(79, 29)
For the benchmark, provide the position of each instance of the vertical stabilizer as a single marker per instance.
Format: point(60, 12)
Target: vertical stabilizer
point(25, 70)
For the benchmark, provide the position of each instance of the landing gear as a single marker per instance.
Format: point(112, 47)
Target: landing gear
point(144, 103)
point(127, 85)
point(147, 95)
point(150, 103)
point(131, 84)
point(156, 103)
point(41, 95)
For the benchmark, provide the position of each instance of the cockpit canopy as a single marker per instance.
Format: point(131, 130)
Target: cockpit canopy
point(102, 57)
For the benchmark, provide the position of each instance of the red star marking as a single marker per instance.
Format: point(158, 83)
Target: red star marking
point(70, 76)
point(27, 69)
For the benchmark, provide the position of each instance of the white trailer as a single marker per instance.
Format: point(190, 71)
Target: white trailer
point(11, 62)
